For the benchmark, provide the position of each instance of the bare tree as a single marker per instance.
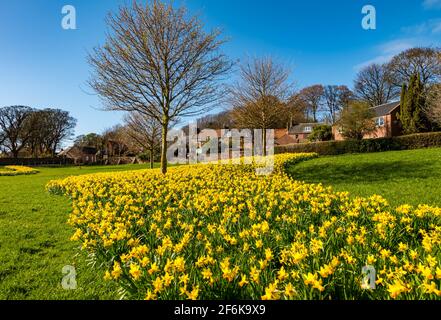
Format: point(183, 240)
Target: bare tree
point(115, 142)
point(374, 85)
point(14, 125)
point(258, 99)
point(423, 61)
point(61, 126)
point(313, 99)
point(220, 120)
point(145, 132)
point(297, 110)
point(266, 113)
point(159, 62)
point(48, 128)
point(336, 98)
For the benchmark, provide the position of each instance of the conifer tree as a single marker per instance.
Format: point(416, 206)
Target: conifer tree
point(412, 104)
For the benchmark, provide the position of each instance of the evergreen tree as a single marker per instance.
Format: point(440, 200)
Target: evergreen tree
point(412, 105)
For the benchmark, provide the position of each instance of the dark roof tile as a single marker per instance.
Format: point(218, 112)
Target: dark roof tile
point(385, 109)
point(300, 128)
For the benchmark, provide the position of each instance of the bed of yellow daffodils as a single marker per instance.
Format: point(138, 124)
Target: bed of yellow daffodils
point(16, 171)
point(225, 232)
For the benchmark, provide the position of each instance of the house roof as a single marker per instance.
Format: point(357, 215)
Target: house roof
point(83, 150)
point(89, 150)
point(300, 128)
point(279, 133)
point(385, 109)
point(284, 140)
point(65, 151)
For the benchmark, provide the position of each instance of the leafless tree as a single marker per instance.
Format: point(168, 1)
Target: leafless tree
point(263, 114)
point(374, 85)
point(297, 110)
point(220, 120)
point(425, 61)
point(48, 129)
point(14, 128)
point(336, 98)
point(115, 142)
point(258, 99)
point(313, 99)
point(159, 62)
point(145, 131)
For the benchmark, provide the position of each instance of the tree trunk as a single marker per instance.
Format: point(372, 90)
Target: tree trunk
point(151, 158)
point(164, 145)
point(264, 142)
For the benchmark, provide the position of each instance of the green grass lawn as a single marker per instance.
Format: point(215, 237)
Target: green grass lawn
point(412, 177)
point(34, 240)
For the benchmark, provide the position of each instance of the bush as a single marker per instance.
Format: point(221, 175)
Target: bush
point(413, 141)
point(321, 133)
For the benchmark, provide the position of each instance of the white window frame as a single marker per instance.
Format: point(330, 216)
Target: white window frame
point(380, 122)
point(307, 129)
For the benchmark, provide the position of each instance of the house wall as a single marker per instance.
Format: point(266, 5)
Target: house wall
point(300, 137)
point(88, 158)
point(391, 128)
point(381, 132)
point(336, 134)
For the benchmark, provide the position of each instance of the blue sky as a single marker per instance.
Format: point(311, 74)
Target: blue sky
point(42, 65)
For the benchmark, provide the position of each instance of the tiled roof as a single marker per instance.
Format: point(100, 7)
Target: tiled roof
point(279, 133)
point(385, 109)
point(286, 139)
point(300, 128)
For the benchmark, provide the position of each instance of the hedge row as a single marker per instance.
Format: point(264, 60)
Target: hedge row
point(414, 141)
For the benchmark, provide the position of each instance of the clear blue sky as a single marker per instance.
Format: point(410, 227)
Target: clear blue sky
point(42, 65)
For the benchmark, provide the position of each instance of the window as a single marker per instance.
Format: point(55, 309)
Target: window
point(308, 129)
point(379, 122)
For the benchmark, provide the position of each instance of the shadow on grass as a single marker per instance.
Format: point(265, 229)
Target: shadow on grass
point(362, 172)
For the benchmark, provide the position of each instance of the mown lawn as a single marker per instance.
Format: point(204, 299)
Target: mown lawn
point(34, 240)
point(412, 177)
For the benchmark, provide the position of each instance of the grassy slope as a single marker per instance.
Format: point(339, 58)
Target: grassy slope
point(34, 240)
point(412, 177)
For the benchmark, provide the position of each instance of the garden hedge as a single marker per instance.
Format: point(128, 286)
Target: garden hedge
point(414, 141)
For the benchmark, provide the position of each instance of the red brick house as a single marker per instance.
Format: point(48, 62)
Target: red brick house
point(301, 132)
point(80, 155)
point(386, 122)
point(296, 134)
point(282, 137)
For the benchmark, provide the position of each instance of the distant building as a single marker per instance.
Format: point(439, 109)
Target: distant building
point(282, 137)
point(386, 121)
point(296, 134)
point(80, 155)
point(301, 132)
